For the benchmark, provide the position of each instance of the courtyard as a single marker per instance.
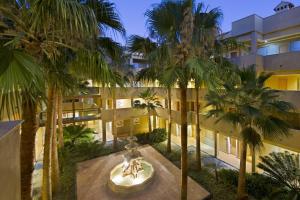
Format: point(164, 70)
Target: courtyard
point(93, 177)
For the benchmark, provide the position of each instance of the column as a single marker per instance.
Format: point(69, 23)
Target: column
point(253, 160)
point(254, 38)
point(216, 143)
point(132, 102)
point(103, 131)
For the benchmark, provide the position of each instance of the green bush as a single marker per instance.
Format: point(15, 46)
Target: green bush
point(70, 155)
point(258, 185)
point(228, 176)
point(156, 136)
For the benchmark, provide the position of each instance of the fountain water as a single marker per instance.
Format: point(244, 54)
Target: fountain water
point(134, 174)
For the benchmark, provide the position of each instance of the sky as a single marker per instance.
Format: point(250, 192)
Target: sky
point(132, 12)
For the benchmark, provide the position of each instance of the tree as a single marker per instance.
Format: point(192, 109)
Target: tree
point(177, 23)
point(254, 109)
point(21, 91)
point(77, 133)
point(43, 29)
point(284, 168)
point(150, 104)
point(159, 57)
point(203, 69)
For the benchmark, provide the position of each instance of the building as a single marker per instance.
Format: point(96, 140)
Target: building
point(272, 44)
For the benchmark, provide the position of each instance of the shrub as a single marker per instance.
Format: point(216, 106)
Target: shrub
point(258, 185)
point(156, 136)
point(74, 134)
point(228, 176)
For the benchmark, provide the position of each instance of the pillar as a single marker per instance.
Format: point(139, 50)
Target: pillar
point(254, 38)
point(253, 160)
point(216, 143)
point(103, 131)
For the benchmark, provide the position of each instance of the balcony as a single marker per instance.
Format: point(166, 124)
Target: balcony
point(292, 97)
point(247, 60)
point(282, 62)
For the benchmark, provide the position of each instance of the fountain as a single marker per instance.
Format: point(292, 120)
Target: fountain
point(134, 174)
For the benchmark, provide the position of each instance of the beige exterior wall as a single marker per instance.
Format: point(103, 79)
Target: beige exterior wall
point(10, 175)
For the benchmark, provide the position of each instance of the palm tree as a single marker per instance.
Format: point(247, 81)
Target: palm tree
point(36, 31)
point(21, 91)
point(179, 24)
point(284, 168)
point(206, 29)
point(150, 104)
point(77, 133)
point(159, 59)
point(254, 109)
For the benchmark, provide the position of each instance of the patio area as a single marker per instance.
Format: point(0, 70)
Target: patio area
point(93, 176)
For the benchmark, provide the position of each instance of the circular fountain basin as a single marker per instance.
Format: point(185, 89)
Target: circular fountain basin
point(128, 184)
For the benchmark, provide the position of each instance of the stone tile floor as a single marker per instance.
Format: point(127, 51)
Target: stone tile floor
point(93, 175)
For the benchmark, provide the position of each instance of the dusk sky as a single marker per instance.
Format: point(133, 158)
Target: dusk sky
point(132, 11)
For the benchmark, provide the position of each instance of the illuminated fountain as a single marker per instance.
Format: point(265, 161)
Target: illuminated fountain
point(134, 174)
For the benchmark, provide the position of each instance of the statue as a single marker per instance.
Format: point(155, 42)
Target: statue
point(132, 160)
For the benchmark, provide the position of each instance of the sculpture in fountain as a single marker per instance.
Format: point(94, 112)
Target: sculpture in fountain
point(134, 174)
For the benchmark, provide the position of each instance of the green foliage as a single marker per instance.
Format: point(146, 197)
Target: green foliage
point(229, 177)
point(150, 98)
point(69, 156)
point(258, 185)
point(284, 168)
point(156, 136)
point(219, 190)
point(249, 104)
point(74, 134)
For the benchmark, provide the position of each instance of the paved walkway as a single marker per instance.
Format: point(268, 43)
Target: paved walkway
point(93, 175)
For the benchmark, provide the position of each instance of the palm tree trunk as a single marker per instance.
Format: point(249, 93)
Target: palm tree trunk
point(54, 154)
point(114, 127)
point(241, 193)
point(46, 187)
point(184, 154)
point(73, 111)
point(60, 119)
point(169, 121)
point(253, 159)
point(29, 128)
point(149, 122)
point(198, 142)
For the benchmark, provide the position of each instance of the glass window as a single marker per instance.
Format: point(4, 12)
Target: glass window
point(233, 54)
point(272, 49)
point(262, 51)
point(295, 46)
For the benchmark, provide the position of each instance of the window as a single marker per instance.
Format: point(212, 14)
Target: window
point(178, 106)
point(272, 49)
point(192, 106)
point(295, 45)
point(262, 51)
point(233, 54)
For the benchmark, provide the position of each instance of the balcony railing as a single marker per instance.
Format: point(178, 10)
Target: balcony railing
point(77, 115)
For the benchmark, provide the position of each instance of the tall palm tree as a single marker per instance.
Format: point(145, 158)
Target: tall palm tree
point(284, 168)
point(150, 104)
point(159, 58)
point(179, 24)
point(182, 56)
point(206, 29)
point(21, 91)
point(42, 28)
point(254, 109)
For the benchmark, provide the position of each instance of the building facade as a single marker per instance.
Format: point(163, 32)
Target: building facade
point(272, 44)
